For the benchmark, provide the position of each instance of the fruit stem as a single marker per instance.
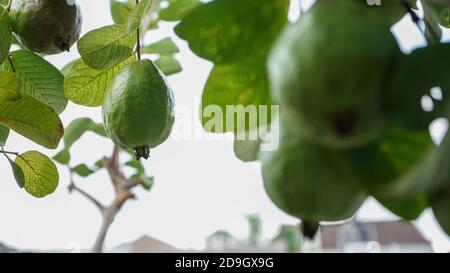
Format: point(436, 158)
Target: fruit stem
point(11, 63)
point(8, 6)
point(138, 39)
point(416, 20)
point(8, 152)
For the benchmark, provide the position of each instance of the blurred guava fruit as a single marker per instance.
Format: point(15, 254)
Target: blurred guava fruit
point(329, 70)
point(304, 180)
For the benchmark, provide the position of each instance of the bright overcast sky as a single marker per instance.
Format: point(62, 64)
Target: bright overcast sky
point(200, 185)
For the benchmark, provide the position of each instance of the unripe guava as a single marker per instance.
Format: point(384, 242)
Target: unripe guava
point(304, 180)
point(46, 26)
point(330, 69)
point(138, 111)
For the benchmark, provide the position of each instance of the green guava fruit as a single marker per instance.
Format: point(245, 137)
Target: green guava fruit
point(329, 70)
point(138, 111)
point(441, 210)
point(46, 26)
point(303, 179)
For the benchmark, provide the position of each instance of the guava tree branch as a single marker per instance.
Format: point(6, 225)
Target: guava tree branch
point(138, 39)
point(123, 192)
point(72, 187)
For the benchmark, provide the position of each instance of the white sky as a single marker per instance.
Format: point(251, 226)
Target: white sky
point(200, 185)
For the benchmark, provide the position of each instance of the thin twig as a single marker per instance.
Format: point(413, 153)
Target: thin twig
point(8, 6)
point(8, 152)
point(72, 187)
point(11, 63)
point(138, 39)
point(134, 182)
point(414, 17)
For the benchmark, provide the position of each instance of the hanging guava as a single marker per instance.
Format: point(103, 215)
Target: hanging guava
point(138, 111)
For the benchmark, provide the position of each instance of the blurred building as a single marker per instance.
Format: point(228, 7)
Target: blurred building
point(145, 244)
point(6, 249)
point(350, 236)
point(387, 236)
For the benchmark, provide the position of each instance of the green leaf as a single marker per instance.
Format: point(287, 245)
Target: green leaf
point(99, 164)
point(4, 133)
point(32, 119)
point(63, 157)
point(247, 150)
point(9, 86)
point(431, 18)
point(224, 31)
point(137, 165)
point(445, 17)
point(168, 65)
point(408, 86)
point(178, 9)
point(235, 84)
point(107, 46)
point(120, 11)
point(147, 182)
point(137, 14)
point(18, 173)
point(41, 175)
point(407, 208)
point(87, 86)
point(442, 12)
point(82, 170)
point(5, 34)
point(78, 127)
point(39, 79)
point(164, 46)
point(401, 163)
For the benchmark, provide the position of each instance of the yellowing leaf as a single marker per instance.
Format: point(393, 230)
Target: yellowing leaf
point(32, 119)
point(41, 175)
point(87, 86)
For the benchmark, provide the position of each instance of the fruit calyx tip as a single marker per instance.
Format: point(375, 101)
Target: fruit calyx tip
point(309, 229)
point(142, 152)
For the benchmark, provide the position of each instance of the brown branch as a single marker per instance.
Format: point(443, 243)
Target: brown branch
point(133, 182)
point(72, 187)
point(112, 166)
point(122, 198)
point(122, 187)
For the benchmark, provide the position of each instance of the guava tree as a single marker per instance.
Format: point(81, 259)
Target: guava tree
point(351, 122)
